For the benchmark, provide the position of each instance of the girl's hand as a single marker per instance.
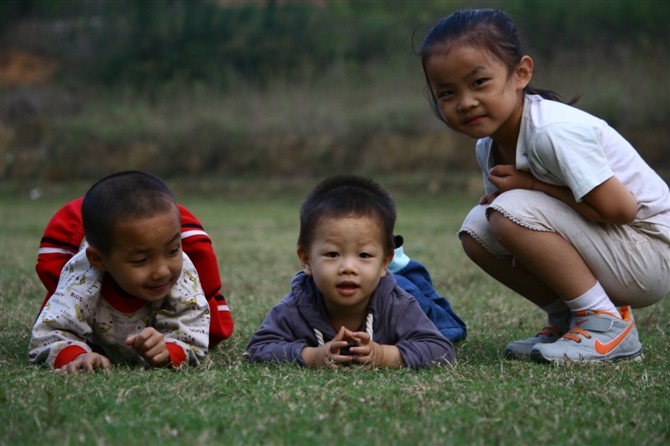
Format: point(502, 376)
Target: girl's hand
point(87, 362)
point(488, 199)
point(150, 344)
point(609, 202)
point(506, 177)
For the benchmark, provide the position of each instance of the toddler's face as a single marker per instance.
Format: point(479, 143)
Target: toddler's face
point(474, 91)
point(146, 259)
point(347, 260)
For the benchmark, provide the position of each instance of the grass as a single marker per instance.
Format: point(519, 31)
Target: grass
point(483, 399)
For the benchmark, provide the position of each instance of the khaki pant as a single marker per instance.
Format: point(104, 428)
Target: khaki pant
point(632, 262)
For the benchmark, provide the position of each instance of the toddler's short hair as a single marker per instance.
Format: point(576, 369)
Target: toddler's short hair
point(121, 196)
point(348, 196)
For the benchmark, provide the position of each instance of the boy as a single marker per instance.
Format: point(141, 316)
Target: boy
point(127, 293)
point(344, 307)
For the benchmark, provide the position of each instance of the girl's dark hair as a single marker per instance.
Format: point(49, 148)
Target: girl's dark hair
point(490, 29)
point(122, 196)
point(346, 196)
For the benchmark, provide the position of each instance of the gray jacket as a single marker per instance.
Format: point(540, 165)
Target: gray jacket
point(300, 320)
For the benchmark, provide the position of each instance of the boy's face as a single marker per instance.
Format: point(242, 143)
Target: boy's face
point(146, 258)
point(347, 260)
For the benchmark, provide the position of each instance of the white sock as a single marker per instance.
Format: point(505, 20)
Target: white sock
point(558, 313)
point(595, 299)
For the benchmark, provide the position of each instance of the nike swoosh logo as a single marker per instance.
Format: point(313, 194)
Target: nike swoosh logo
point(578, 323)
point(604, 349)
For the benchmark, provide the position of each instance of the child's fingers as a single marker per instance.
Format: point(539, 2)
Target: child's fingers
point(348, 334)
point(340, 334)
point(150, 344)
point(154, 350)
point(344, 334)
point(336, 346)
point(145, 339)
point(157, 357)
point(361, 337)
point(104, 363)
point(87, 363)
point(137, 340)
point(69, 368)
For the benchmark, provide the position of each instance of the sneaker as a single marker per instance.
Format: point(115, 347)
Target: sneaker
point(521, 349)
point(594, 336)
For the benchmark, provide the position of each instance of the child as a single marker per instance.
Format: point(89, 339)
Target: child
point(132, 254)
point(573, 219)
point(343, 307)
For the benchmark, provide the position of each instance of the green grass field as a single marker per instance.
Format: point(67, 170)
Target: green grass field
point(483, 399)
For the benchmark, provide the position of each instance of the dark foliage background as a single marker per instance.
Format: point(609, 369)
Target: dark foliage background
point(285, 88)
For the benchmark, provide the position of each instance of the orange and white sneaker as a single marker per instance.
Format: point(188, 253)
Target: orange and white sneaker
point(594, 336)
point(521, 349)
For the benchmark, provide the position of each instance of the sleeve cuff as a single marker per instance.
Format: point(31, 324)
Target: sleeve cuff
point(177, 354)
point(68, 354)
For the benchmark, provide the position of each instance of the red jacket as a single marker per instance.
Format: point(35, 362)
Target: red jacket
point(65, 233)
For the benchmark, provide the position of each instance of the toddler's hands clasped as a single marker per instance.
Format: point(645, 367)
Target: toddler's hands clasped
point(352, 347)
point(349, 346)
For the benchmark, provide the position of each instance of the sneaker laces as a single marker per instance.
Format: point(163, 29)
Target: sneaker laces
point(574, 334)
point(550, 330)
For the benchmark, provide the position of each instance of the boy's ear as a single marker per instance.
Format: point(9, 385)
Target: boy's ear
point(304, 260)
point(95, 258)
point(524, 71)
point(387, 262)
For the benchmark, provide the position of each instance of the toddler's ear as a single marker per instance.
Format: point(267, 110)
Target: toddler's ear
point(387, 262)
point(95, 258)
point(304, 260)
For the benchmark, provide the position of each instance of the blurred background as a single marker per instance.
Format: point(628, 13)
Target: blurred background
point(225, 89)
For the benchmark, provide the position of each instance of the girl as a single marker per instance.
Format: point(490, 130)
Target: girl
point(573, 218)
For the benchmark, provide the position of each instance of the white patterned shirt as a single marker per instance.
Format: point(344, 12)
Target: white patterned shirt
point(88, 311)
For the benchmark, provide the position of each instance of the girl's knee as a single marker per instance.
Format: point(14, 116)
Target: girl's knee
point(472, 247)
point(476, 236)
point(468, 243)
point(499, 224)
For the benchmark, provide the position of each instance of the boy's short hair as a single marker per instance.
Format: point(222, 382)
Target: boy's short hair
point(348, 196)
point(124, 195)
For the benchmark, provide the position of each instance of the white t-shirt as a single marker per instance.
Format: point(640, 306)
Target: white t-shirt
point(565, 146)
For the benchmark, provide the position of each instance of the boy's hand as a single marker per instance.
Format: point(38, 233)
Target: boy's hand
point(87, 362)
point(372, 355)
point(150, 344)
point(366, 352)
point(329, 354)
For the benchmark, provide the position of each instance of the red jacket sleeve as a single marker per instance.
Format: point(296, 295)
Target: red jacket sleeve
point(198, 247)
point(60, 241)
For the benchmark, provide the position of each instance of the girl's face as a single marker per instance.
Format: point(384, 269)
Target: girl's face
point(347, 260)
point(146, 258)
point(476, 93)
